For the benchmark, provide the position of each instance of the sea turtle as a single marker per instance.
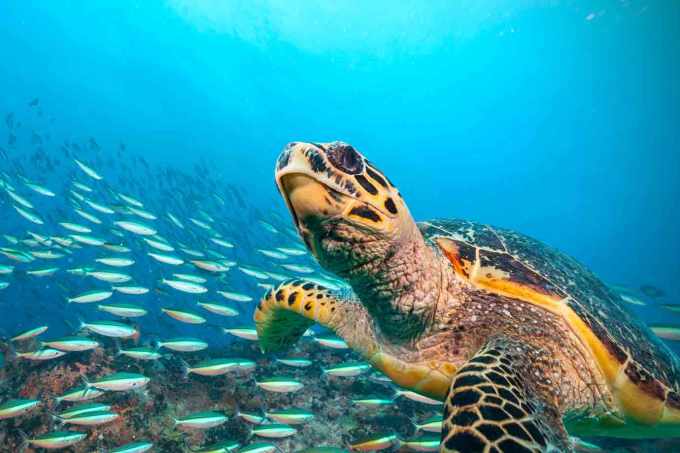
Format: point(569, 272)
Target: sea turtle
point(522, 343)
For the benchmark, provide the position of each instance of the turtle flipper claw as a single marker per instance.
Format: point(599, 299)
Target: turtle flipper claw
point(285, 313)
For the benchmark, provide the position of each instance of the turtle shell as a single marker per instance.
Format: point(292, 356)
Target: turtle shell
point(637, 365)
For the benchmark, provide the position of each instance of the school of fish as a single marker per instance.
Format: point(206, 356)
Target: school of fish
point(144, 266)
point(126, 260)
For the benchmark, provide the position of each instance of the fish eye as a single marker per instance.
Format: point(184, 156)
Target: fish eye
point(345, 158)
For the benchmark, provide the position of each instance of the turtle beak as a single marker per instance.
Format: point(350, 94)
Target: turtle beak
point(309, 200)
point(304, 196)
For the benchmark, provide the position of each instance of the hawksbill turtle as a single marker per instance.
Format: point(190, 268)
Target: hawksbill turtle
point(524, 345)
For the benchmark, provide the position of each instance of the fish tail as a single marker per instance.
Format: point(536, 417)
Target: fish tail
point(12, 353)
point(414, 422)
point(56, 420)
point(324, 374)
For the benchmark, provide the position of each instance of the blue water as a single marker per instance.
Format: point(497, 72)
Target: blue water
point(558, 119)
point(527, 116)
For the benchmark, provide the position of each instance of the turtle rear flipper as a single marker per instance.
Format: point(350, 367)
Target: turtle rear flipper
point(284, 315)
point(495, 405)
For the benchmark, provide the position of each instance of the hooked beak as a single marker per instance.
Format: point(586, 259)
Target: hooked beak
point(309, 202)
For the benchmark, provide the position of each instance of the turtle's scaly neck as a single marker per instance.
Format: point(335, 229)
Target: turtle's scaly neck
point(401, 285)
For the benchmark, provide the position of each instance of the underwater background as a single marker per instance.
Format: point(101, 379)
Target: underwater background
point(558, 119)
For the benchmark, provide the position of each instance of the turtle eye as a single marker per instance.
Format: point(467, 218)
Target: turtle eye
point(345, 158)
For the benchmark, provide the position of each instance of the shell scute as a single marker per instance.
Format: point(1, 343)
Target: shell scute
point(529, 264)
point(503, 266)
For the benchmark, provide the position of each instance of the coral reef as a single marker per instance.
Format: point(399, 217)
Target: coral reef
point(149, 413)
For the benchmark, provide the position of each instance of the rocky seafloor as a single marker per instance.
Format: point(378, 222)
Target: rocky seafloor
point(149, 414)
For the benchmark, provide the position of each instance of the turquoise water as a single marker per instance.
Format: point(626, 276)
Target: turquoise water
point(556, 119)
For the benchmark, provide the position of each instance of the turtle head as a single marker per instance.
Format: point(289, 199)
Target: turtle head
point(346, 210)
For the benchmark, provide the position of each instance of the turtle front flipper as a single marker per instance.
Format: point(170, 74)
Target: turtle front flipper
point(496, 404)
point(284, 314)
